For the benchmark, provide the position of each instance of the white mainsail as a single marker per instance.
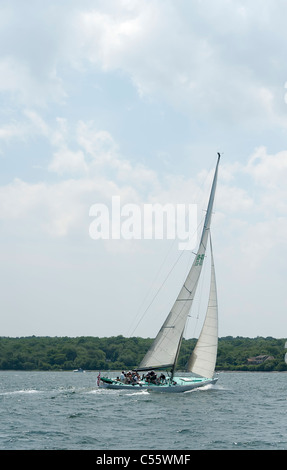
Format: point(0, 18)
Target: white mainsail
point(203, 359)
point(165, 348)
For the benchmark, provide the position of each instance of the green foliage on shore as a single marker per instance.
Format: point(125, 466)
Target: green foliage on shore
point(114, 353)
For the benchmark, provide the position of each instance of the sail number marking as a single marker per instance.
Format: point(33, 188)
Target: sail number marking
point(199, 260)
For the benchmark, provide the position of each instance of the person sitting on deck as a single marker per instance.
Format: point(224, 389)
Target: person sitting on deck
point(151, 377)
point(136, 378)
point(128, 378)
point(162, 378)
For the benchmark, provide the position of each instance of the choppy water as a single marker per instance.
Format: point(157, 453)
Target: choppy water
point(66, 410)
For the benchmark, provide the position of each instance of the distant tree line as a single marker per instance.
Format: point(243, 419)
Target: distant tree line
point(118, 352)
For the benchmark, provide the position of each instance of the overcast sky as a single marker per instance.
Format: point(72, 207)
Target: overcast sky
point(134, 98)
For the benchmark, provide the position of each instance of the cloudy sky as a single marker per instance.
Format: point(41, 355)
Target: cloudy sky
point(134, 99)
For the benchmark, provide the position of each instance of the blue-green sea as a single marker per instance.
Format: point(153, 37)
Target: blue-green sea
point(67, 411)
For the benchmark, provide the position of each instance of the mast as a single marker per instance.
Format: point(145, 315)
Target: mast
point(164, 351)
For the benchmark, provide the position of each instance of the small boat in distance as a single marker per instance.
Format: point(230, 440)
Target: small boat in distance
point(164, 351)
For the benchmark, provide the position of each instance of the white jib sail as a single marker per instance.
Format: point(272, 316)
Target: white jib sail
point(164, 350)
point(203, 359)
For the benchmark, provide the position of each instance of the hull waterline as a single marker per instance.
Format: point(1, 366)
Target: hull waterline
point(181, 385)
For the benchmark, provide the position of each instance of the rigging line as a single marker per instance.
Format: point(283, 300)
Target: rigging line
point(156, 294)
point(164, 281)
point(200, 296)
point(158, 291)
point(150, 288)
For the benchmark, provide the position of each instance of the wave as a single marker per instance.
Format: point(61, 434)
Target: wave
point(16, 392)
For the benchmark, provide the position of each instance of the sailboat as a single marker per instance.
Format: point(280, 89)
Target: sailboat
point(164, 351)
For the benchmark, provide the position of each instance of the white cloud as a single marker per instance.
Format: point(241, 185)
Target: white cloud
point(204, 58)
point(268, 170)
point(217, 65)
point(27, 125)
point(90, 169)
point(65, 161)
point(12, 131)
point(97, 143)
point(24, 88)
point(37, 121)
point(90, 166)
